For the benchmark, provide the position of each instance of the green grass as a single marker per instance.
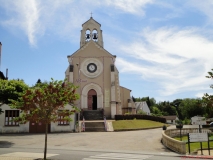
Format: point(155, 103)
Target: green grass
point(196, 145)
point(135, 124)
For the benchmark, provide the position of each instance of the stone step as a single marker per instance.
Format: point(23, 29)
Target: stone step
point(94, 127)
point(93, 115)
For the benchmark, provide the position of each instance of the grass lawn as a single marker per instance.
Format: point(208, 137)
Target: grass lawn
point(196, 145)
point(135, 124)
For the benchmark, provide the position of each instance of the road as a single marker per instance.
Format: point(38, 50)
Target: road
point(142, 144)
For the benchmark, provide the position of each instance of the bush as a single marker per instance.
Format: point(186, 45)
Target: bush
point(139, 116)
point(141, 112)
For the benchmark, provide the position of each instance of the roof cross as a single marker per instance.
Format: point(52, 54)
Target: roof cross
point(91, 14)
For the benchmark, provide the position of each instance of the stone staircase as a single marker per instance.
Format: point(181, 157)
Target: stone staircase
point(94, 127)
point(92, 115)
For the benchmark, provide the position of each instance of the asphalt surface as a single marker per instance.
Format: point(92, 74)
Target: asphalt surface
point(86, 144)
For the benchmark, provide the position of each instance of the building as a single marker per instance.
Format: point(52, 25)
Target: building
point(93, 69)
point(198, 120)
point(142, 106)
point(171, 119)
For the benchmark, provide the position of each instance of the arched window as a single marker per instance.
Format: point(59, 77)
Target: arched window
point(87, 35)
point(95, 35)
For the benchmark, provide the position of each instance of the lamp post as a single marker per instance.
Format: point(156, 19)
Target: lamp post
point(180, 126)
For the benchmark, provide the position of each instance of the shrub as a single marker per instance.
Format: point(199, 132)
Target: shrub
point(140, 116)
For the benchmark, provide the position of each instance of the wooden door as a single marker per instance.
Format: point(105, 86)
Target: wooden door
point(37, 127)
point(92, 100)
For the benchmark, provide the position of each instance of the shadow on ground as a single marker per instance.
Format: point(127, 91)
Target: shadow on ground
point(6, 144)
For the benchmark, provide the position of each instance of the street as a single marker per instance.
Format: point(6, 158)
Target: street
point(141, 144)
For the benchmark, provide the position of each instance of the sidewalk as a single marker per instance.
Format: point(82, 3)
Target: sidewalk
point(24, 156)
point(206, 153)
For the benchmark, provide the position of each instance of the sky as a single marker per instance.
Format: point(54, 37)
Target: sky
point(164, 48)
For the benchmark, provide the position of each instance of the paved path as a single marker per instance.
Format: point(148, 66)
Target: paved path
point(142, 140)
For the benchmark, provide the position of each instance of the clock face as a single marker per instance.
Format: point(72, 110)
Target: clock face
point(91, 67)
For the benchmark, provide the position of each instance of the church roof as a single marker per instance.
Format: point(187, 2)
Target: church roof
point(96, 46)
point(126, 88)
point(90, 20)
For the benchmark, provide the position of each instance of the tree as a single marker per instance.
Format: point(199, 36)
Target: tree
point(191, 107)
point(176, 103)
point(41, 104)
point(156, 111)
point(208, 99)
point(11, 89)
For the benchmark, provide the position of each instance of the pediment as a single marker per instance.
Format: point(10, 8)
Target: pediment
point(89, 49)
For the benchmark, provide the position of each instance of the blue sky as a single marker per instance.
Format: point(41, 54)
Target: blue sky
point(164, 48)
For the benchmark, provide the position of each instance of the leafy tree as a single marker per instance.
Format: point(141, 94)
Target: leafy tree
point(208, 99)
point(156, 111)
point(152, 102)
point(41, 104)
point(11, 89)
point(176, 103)
point(191, 107)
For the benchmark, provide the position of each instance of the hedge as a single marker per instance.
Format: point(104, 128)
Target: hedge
point(140, 116)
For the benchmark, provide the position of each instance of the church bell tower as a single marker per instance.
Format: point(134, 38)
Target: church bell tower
point(91, 31)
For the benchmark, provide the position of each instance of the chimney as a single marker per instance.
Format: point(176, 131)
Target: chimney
point(7, 74)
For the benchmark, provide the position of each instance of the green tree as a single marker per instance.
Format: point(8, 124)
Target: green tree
point(41, 104)
point(191, 107)
point(176, 103)
point(11, 89)
point(208, 99)
point(156, 111)
point(152, 102)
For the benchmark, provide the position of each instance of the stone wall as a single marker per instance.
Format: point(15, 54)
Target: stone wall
point(175, 145)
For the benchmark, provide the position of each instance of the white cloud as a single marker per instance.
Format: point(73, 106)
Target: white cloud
point(177, 60)
point(36, 17)
point(134, 7)
point(25, 16)
point(205, 7)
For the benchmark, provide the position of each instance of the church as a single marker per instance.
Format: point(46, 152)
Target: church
point(93, 69)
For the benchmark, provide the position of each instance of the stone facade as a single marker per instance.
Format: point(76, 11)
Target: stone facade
point(92, 67)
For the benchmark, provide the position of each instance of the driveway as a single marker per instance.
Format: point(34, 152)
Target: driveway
point(131, 141)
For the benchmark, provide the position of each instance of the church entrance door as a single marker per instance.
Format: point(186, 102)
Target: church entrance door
point(92, 100)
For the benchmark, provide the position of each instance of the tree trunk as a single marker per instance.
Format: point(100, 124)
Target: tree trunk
point(45, 145)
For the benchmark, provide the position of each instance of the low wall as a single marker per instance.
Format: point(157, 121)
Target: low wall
point(175, 145)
